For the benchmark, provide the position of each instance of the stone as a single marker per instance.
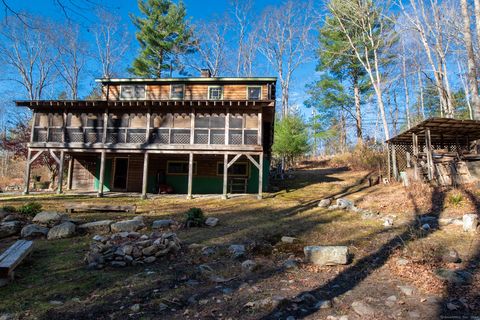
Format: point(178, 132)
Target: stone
point(470, 222)
point(426, 227)
point(208, 251)
point(127, 225)
point(391, 301)
point(6, 316)
point(102, 226)
point(451, 256)
point(388, 222)
point(458, 277)
point(118, 264)
point(99, 238)
point(148, 251)
point(402, 262)
point(139, 218)
point(56, 302)
point(286, 239)
point(127, 249)
point(323, 304)
point(33, 230)
point(48, 218)
point(326, 255)
point(290, 264)
point(237, 250)
point(158, 224)
point(135, 307)
point(10, 217)
point(162, 307)
point(10, 228)
point(413, 315)
point(249, 265)
point(63, 230)
point(363, 309)
point(344, 203)
point(211, 221)
point(325, 203)
point(407, 290)
point(150, 259)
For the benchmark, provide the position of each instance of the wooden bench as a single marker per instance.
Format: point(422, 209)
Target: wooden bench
point(13, 256)
point(98, 207)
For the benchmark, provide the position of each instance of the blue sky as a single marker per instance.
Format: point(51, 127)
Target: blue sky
point(82, 12)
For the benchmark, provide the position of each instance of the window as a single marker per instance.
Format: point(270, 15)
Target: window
point(130, 92)
point(180, 168)
point(177, 91)
point(239, 169)
point(254, 93)
point(215, 93)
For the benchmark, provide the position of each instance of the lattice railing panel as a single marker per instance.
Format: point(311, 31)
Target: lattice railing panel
point(217, 137)
point(180, 137)
point(250, 137)
point(235, 137)
point(40, 135)
point(161, 136)
point(201, 137)
point(136, 136)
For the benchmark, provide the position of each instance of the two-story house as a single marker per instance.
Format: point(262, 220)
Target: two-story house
point(188, 136)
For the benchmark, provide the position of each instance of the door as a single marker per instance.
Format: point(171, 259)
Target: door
point(120, 175)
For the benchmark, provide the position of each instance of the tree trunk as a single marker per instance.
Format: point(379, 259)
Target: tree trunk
point(405, 86)
point(358, 120)
point(472, 70)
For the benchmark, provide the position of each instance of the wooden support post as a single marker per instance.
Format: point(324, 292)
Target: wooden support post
point(147, 131)
point(192, 127)
point(190, 175)
point(26, 190)
point(105, 124)
point(415, 156)
point(102, 174)
point(64, 127)
point(70, 173)
point(145, 175)
point(32, 132)
point(389, 171)
point(227, 127)
point(225, 176)
point(260, 176)
point(394, 162)
point(60, 172)
point(260, 129)
point(428, 146)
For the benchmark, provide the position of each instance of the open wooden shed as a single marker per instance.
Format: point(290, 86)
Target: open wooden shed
point(441, 150)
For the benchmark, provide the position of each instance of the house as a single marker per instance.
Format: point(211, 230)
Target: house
point(199, 135)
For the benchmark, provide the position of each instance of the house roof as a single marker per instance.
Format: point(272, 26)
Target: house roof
point(186, 79)
point(442, 131)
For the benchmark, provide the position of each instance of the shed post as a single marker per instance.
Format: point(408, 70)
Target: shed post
point(415, 156)
point(145, 176)
point(225, 176)
point(394, 162)
point(260, 175)
point(388, 161)
point(27, 173)
point(190, 175)
point(60, 172)
point(428, 146)
point(102, 174)
point(70, 173)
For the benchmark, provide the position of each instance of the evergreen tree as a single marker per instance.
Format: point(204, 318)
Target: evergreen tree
point(164, 35)
point(291, 138)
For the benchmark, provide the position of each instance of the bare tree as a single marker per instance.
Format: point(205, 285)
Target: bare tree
point(286, 41)
point(242, 16)
point(27, 53)
point(111, 39)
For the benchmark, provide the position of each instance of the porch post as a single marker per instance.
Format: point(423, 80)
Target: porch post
point(190, 175)
point(60, 172)
point(102, 174)
point(415, 156)
point(70, 173)
point(389, 173)
point(260, 175)
point(225, 176)
point(428, 145)
point(394, 162)
point(27, 173)
point(145, 175)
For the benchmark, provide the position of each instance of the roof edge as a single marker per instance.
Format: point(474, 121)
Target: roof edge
point(189, 79)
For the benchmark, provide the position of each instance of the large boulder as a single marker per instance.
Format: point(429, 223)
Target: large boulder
point(326, 255)
point(127, 225)
point(344, 203)
point(49, 218)
point(470, 222)
point(325, 203)
point(63, 230)
point(237, 250)
point(211, 221)
point(96, 226)
point(165, 223)
point(33, 231)
point(9, 228)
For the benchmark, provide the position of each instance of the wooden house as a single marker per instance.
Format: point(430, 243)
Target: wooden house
point(188, 136)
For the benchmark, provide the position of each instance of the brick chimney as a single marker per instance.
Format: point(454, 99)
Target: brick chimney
point(205, 73)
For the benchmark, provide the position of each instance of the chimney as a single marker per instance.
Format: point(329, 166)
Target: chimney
point(205, 73)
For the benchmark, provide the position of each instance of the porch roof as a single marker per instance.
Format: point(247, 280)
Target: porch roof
point(442, 131)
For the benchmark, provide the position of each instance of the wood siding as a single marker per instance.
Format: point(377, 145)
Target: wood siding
point(83, 175)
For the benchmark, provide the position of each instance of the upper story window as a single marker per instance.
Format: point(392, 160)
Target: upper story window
point(254, 93)
point(215, 93)
point(133, 92)
point(177, 91)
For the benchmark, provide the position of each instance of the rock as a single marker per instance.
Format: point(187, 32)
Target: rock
point(139, 218)
point(162, 307)
point(63, 230)
point(127, 249)
point(118, 264)
point(135, 307)
point(208, 251)
point(333, 207)
point(344, 203)
point(470, 222)
point(413, 315)
point(102, 226)
point(158, 224)
point(98, 238)
point(454, 276)
point(452, 306)
point(10, 228)
point(150, 259)
point(10, 217)
point(211, 221)
point(451, 256)
point(323, 304)
point(290, 264)
point(33, 230)
point(362, 309)
point(286, 239)
point(237, 250)
point(391, 301)
point(326, 255)
point(402, 262)
point(6, 316)
point(325, 203)
point(3, 213)
point(148, 251)
point(48, 218)
point(56, 302)
point(407, 290)
point(388, 222)
point(249, 265)
point(426, 227)
point(127, 225)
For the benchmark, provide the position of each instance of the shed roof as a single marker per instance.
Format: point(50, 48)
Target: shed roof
point(442, 131)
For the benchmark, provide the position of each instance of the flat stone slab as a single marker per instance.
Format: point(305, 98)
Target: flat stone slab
point(470, 222)
point(96, 226)
point(48, 218)
point(127, 225)
point(64, 230)
point(34, 230)
point(326, 255)
point(157, 224)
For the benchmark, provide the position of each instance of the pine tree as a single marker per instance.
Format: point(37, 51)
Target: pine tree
point(164, 35)
point(291, 138)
